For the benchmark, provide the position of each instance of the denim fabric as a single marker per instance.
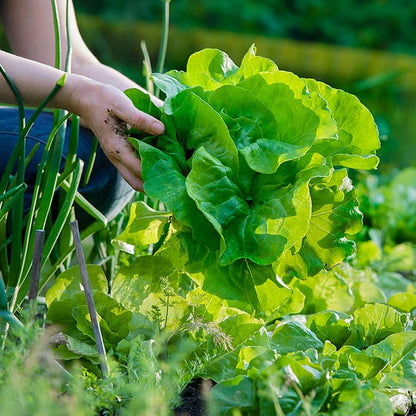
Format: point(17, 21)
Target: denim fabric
point(106, 189)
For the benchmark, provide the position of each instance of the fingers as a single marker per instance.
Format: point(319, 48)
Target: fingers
point(138, 119)
point(109, 119)
point(124, 158)
point(134, 181)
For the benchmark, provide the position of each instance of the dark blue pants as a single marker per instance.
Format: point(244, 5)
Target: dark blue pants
point(106, 189)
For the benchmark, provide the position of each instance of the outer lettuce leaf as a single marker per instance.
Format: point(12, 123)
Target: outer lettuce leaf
point(399, 351)
point(292, 336)
point(267, 86)
point(334, 215)
point(326, 291)
point(164, 181)
point(374, 322)
point(357, 131)
point(145, 227)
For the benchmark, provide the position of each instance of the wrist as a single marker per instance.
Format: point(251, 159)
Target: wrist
point(76, 94)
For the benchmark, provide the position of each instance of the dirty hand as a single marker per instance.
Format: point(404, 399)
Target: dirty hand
point(107, 111)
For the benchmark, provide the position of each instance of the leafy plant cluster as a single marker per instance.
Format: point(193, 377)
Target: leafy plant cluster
point(256, 160)
point(389, 204)
point(343, 340)
point(374, 24)
point(260, 154)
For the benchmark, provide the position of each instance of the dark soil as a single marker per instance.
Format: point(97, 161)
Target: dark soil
point(411, 411)
point(194, 398)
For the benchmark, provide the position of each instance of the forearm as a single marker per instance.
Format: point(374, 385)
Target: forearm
point(35, 81)
point(90, 67)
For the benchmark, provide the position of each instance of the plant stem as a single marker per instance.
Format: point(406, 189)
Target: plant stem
point(36, 264)
point(164, 41)
point(90, 299)
point(147, 67)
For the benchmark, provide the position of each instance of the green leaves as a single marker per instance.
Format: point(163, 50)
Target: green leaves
point(258, 175)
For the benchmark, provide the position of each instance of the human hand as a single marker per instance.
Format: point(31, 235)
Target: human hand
point(107, 111)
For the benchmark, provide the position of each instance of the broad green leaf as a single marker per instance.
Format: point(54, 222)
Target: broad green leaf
point(240, 327)
point(252, 64)
point(238, 280)
point(198, 124)
point(271, 227)
point(67, 292)
point(212, 186)
point(308, 373)
point(394, 347)
point(294, 381)
point(374, 322)
point(171, 146)
point(357, 131)
point(142, 101)
point(74, 349)
point(209, 68)
point(69, 283)
point(367, 292)
point(235, 393)
point(261, 127)
point(260, 84)
point(133, 284)
point(168, 84)
point(403, 301)
point(113, 319)
point(260, 236)
point(325, 291)
point(251, 358)
point(164, 182)
point(277, 301)
point(334, 214)
point(330, 326)
point(399, 350)
point(145, 227)
point(363, 365)
point(352, 397)
point(171, 306)
point(292, 336)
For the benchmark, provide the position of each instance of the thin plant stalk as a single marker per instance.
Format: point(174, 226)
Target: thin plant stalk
point(36, 264)
point(164, 41)
point(68, 57)
point(48, 275)
point(147, 68)
point(20, 269)
point(57, 34)
point(90, 299)
point(18, 255)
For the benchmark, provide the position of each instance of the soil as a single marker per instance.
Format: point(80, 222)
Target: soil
point(194, 398)
point(411, 411)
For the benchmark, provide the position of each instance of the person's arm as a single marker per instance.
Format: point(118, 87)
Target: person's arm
point(92, 91)
point(35, 39)
point(105, 108)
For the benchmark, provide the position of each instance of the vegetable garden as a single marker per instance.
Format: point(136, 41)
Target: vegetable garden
point(266, 271)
